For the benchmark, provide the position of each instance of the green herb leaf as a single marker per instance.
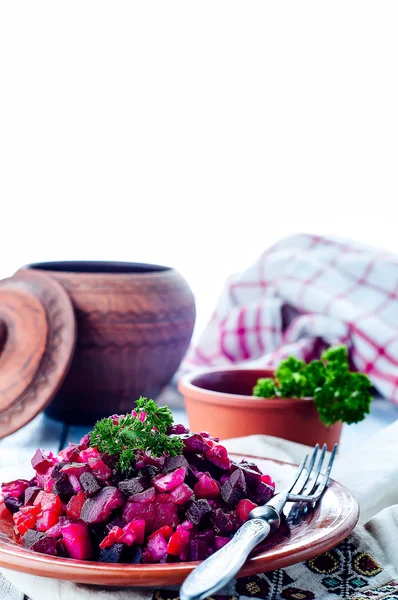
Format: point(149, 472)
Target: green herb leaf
point(315, 374)
point(339, 395)
point(265, 388)
point(144, 430)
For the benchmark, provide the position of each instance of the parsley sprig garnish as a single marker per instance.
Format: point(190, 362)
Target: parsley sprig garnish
point(339, 394)
point(144, 429)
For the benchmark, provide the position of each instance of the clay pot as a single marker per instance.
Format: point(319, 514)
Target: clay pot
point(134, 325)
point(220, 401)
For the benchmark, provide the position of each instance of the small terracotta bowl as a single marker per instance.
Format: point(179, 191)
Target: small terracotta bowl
point(220, 401)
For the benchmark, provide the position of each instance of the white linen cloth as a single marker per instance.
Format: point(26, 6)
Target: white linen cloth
point(370, 472)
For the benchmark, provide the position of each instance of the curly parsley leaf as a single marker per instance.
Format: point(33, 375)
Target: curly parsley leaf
point(339, 395)
point(265, 388)
point(144, 429)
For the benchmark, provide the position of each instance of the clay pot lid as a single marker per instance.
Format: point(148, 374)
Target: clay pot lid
point(37, 341)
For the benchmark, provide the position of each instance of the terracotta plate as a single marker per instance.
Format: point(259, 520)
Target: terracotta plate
point(37, 339)
point(332, 520)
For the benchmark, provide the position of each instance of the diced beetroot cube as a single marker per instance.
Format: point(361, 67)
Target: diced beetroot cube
point(175, 462)
point(207, 436)
point(12, 504)
point(31, 536)
point(164, 498)
point(243, 509)
point(234, 489)
point(117, 521)
point(148, 472)
point(165, 483)
point(110, 460)
point(16, 488)
point(218, 455)
point(75, 505)
point(31, 494)
point(146, 496)
point(268, 480)
point(197, 472)
point(207, 535)
point(132, 486)
point(250, 471)
point(186, 525)
point(128, 538)
point(45, 482)
point(146, 557)
point(220, 541)
point(55, 472)
point(133, 532)
point(209, 442)
point(144, 458)
point(54, 531)
point(48, 483)
point(42, 461)
point(191, 478)
point(77, 540)
point(134, 555)
point(25, 518)
point(177, 429)
point(175, 546)
point(154, 514)
point(63, 487)
point(61, 548)
point(185, 537)
point(113, 554)
point(69, 454)
point(251, 476)
point(138, 528)
point(245, 464)
point(156, 547)
point(184, 533)
point(51, 510)
point(48, 501)
point(261, 493)
point(75, 468)
point(90, 485)
point(45, 545)
point(181, 494)
point(84, 442)
point(197, 510)
point(101, 471)
point(84, 455)
point(197, 550)
point(46, 519)
point(113, 536)
point(39, 498)
point(206, 487)
point(195, 443)
point(166, 531)
point(221, 521)
point(75, 483)
point(99, 508)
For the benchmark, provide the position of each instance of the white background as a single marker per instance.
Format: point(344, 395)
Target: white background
point(194, 134)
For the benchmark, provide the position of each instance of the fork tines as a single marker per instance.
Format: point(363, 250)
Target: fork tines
point(312, 480)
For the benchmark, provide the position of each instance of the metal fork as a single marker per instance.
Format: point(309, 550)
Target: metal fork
point(221, 567)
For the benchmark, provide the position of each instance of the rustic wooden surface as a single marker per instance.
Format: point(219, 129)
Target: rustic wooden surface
point(53, 435)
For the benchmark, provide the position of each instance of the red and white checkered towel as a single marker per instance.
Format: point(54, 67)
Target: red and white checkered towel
point(305, 293)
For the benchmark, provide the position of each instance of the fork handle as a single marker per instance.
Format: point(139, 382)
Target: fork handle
point(218, 570)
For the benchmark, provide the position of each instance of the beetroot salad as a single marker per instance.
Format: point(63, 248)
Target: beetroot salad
point(137, 489)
